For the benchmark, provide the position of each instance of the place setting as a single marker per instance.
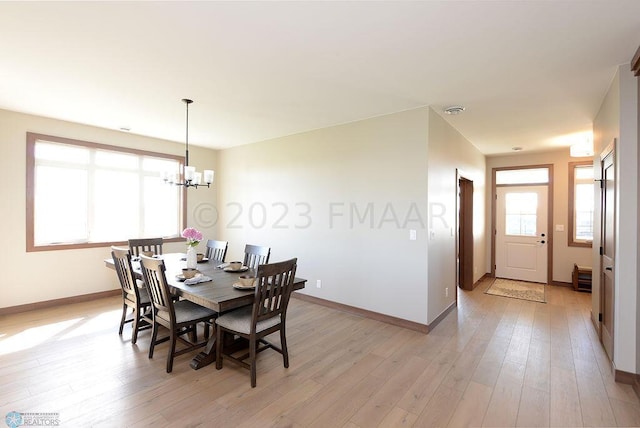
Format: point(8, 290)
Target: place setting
point(200, 258)
point(192, 276)
point(146, 254)
point(245, 282)
point(234, 267)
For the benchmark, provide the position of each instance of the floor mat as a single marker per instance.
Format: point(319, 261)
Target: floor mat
point(517, 289)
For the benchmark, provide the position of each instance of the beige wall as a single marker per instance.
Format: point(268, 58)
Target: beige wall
point(341, 199)
point(450, 151)
point(46, 275)
point(618, 118)
point(564, 256)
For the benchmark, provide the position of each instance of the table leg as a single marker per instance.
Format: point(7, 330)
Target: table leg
point(207, 356)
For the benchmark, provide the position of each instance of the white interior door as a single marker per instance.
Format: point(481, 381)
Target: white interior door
point(521, 233)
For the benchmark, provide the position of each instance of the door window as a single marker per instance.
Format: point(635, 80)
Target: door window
point(520, 214)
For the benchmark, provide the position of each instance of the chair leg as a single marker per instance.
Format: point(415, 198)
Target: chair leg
point(283, 345)
point(154, 335)
point(252, 360)
point(124, 316)
point(172, 350)
point(219, 338)
point(193, 333)
point(136, 319)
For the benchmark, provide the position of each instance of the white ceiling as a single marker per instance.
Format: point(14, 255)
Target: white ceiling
point(529, 73)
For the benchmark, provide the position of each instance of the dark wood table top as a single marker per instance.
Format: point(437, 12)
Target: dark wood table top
point(217, 294)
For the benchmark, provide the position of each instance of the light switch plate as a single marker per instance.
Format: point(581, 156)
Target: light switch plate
point(559, 227)
point(413, 235)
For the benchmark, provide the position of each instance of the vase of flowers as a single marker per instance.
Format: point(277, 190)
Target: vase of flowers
point(193, 237)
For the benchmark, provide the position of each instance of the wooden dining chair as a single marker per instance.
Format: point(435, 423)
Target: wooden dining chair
point(152, 245)
point(274, 283)
point(180, 317)
point(134, 295)
point(255, 255)
point(216, 250)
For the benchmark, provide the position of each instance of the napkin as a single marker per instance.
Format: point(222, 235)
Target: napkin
point(197, 279)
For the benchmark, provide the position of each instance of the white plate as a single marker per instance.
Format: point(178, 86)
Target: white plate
point(239, 286)
point(242, 269)
point(180, 277)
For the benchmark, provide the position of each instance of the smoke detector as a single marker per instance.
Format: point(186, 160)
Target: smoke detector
point(454, 110)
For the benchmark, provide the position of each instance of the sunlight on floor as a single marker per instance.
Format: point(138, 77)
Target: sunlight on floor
point(34, 336)
point(62, 330)
point(99, 322)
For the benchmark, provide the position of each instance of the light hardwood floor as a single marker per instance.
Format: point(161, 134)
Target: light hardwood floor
point(494, 361)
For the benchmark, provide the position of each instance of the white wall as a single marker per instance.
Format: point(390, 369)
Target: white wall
point(626, 269)
point(618, 118)
point(448, 151)
point(46, 275)
point(638, 253)
point(341, 199)
point(564, 256)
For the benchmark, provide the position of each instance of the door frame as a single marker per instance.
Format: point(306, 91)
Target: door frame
point(494, 195)
point(464, 232)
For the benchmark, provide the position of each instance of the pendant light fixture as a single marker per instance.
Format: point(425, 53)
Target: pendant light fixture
point(190, 177)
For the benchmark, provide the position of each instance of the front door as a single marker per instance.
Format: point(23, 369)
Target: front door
point(521, 233)
point(607, 259)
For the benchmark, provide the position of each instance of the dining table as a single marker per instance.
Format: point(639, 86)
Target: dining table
point(219, 294)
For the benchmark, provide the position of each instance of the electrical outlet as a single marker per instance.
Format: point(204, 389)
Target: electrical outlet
point(318, 284)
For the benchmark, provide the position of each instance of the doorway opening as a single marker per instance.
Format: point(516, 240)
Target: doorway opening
point(522, 207)
point(464, 242)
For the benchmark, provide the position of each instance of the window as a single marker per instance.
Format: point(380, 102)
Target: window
point(82, 194)
point(581, 204)
point(522, 176)
point(521, 214)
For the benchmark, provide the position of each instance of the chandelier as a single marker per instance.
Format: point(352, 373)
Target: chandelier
point(190, 177)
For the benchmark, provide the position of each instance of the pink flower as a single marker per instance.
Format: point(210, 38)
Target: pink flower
point(192, 235)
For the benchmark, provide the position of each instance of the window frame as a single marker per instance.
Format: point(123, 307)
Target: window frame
point(571, 241)
point(30, 191)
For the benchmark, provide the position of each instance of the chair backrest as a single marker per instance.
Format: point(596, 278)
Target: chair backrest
point(216, 250)
point(122, 261)
point(255, 255)
point(153, 245)
point(153, 271)
point(274, 283)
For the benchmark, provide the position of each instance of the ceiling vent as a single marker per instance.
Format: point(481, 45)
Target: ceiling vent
point(454, 110)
